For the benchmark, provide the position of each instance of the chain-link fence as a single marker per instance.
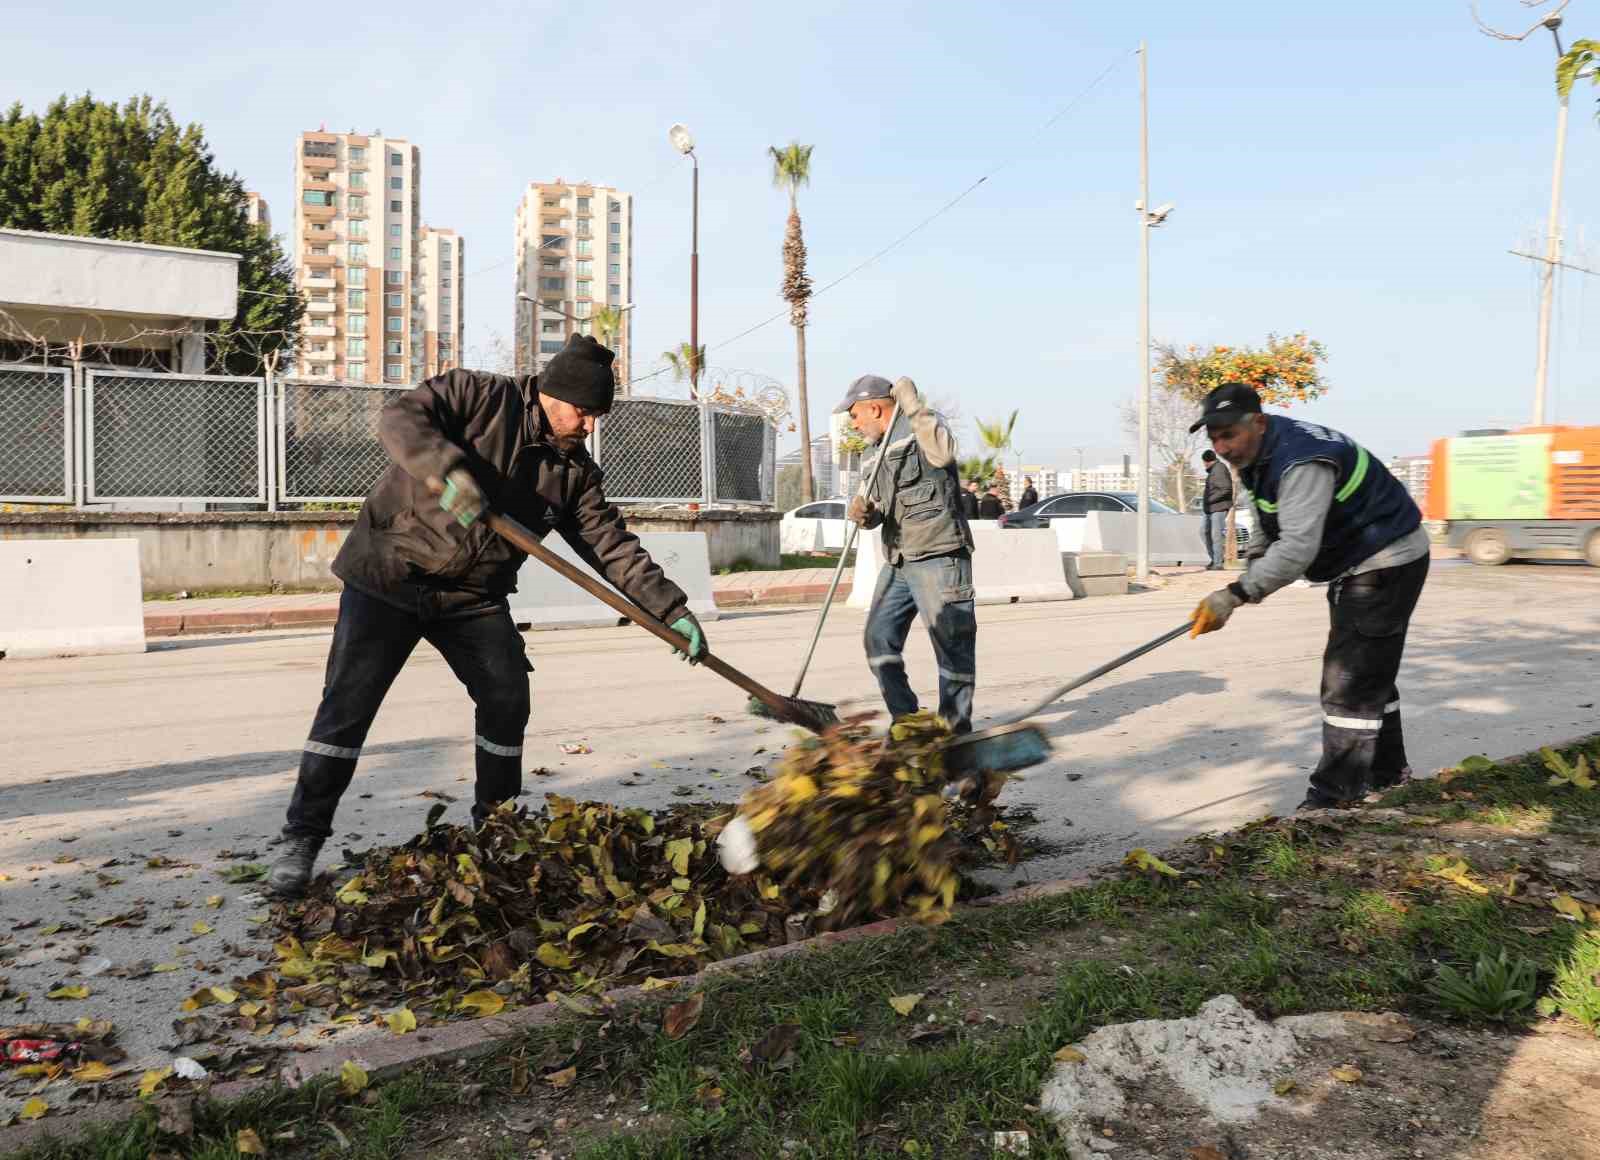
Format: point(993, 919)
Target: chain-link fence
point(328, 447)
point(80, 435)
point(174, 437)
point(36, 434)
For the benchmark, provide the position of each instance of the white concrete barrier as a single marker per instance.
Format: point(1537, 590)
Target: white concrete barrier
point(1069, 534)
point(1007, 566)
point(1174, 539)
point(813, 535)
point(70, 598)
point(545, 599)
point(1011, 565)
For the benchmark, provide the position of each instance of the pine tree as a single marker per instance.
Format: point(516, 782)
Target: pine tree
point(130, 172)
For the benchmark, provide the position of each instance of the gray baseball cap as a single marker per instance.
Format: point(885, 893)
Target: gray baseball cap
point(866, 387)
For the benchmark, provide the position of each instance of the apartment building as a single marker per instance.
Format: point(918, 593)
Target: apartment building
point(1413, 471)
point(357, 241)
point(257, 212)
point(441, 278)
point(574, 247)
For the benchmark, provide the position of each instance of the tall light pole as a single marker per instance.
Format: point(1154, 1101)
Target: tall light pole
point(683, 142)
point(1552, 248)
point(1142, 561)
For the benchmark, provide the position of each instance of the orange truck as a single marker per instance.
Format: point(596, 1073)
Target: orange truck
point(1530, 494)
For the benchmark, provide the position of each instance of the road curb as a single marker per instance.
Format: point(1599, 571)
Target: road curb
point(388, 1055)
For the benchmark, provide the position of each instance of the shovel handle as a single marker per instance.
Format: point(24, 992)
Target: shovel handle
point(520, 536)
point(1109, 666)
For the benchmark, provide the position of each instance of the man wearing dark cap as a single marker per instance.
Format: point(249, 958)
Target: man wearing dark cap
point(1330, 512)
point(419, 565)
point(927, 546)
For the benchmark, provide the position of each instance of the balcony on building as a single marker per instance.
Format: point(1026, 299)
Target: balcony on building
point(320, 306)
point(319, 162)
point(319, 330)
point(320, 184)
point(320, 261)
point(319, 280)
point(311, 355)
point(319, 213)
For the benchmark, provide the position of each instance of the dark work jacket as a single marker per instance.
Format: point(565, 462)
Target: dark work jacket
point(403, 542)
point(1219, 487)
point(1371, 509)
point(990, 508)
point(969, 505)
point(1029, 498)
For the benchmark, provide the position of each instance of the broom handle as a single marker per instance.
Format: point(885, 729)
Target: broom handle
point(524, 539)
point(849, 538)
point(1109, 666)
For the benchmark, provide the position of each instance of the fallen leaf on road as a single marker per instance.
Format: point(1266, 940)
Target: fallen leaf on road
point(481, 1002)
point(1284, 1086)
point(681, 1018)
point(402, 1021)
point(1205, 1152)
point(247, 1143)
point(1142, 859)
point(163, 968)
point(34, 1109)
point(249, 872)
point(1071, 1055)
point(562, 1078)
point(905, 1004)
point(1456, 870)
point(94, 1072)
point(152, 1080)
point(201, 928)
point(215, 901)
point(352, 1077)
point(575, 748)
point(75, 992)
point(440, 795)
point(1346, 1073)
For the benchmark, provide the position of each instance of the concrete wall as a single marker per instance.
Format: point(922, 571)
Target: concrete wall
point(288, 551)
point(100, 276)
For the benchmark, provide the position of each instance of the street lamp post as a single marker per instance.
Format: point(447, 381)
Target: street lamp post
point(683, 142)
point(1148, 220)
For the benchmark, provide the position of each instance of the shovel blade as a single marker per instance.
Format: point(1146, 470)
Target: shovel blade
point(998, 750)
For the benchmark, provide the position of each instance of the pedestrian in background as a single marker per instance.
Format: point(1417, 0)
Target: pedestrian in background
point(1030, 494)
point(1218, 500)
point(969, 500)
point(990, 507)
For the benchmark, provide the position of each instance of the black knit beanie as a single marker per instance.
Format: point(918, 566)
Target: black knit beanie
point(581, 375)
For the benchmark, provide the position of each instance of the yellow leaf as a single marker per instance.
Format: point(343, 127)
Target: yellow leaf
point(163, 968)
point(905, 1004)
point(1569, 906)
point(351, 893)
point(94, 1072)
point(581, 928)
point(378, 959)
point(152, 1080)
point(1070, 1055)
point(75, 992)
point(654, 984)
point(1142, 859)
point(562, 1078)
point(224, 995)
point(402, 1021)
point(201, 928)
point(247, 1143)
point(34, 1109)
point(298, 969)
point(215, 902)
point(352, 1077)
point(251, 1010)
point(1456, 870)
point(1283, 1087)
point(678, 854)
point(1346, 1074)
point(553, 956)
point(481, 1003)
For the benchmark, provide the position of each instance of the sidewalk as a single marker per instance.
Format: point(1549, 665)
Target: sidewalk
point(300, 609)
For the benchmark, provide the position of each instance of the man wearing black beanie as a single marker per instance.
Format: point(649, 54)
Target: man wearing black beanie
point(418, 565)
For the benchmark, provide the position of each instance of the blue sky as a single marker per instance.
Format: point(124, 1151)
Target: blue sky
point(1357, 171)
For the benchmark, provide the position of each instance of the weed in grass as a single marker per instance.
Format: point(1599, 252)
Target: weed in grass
point(1499, 987)
point(1576, 989)
point(1279, 858)
point(1371, 913)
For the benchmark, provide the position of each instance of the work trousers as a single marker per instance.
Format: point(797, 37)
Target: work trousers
point(1214, 530)
point(1363, 746)
point(371, 643)
point(940, 589)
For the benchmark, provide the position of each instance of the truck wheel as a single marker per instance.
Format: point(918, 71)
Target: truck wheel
point(1487, 546)
point(1591, 548)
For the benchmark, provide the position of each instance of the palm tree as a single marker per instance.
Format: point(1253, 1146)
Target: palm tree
point(607, 324)
point(687, 362)
point(996, 439)
point(791, 168)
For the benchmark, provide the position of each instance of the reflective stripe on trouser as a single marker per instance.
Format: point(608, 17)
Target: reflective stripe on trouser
point(371, 643)
point(1363, 743)
point(940, 590)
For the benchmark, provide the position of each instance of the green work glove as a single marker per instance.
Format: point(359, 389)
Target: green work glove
point(462, 497)
point(688, 626)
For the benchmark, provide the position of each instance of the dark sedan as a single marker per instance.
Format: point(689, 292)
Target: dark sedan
point(1074, 505)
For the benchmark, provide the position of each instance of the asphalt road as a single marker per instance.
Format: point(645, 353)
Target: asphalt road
point(190, 749)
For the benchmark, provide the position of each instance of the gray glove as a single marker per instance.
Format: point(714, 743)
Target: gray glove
point(906, 396)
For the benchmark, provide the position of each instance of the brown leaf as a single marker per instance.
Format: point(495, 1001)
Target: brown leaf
point(776, 1047)
point(1382, 1027)
point(680, 1018)
point(1206, 1152)
point(1346, 1073)
point(176, 1117)
point(563, 1078)
point(1071, 1055)
point(249, 1144)
point(498, 961)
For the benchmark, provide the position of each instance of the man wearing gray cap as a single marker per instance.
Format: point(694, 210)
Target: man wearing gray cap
point(927, 546)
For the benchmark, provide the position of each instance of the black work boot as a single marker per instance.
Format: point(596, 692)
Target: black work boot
point(291, 873)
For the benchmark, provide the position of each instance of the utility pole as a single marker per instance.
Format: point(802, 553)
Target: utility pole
point(1142, 561)
point(1552, 251)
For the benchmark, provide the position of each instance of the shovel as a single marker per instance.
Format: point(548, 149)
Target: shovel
point(1018, 743)
point(812, 715)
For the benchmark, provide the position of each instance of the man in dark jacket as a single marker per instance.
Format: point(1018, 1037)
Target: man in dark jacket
point(969, 500)
point(927, 547)
point(1331, 512)
point(990, 507)
point(1030, 494)
point(420, 565)
point(1218, 500)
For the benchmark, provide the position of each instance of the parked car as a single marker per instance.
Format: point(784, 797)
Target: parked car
point(1244, 517)
point(1076, 505)
point(814, 527)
